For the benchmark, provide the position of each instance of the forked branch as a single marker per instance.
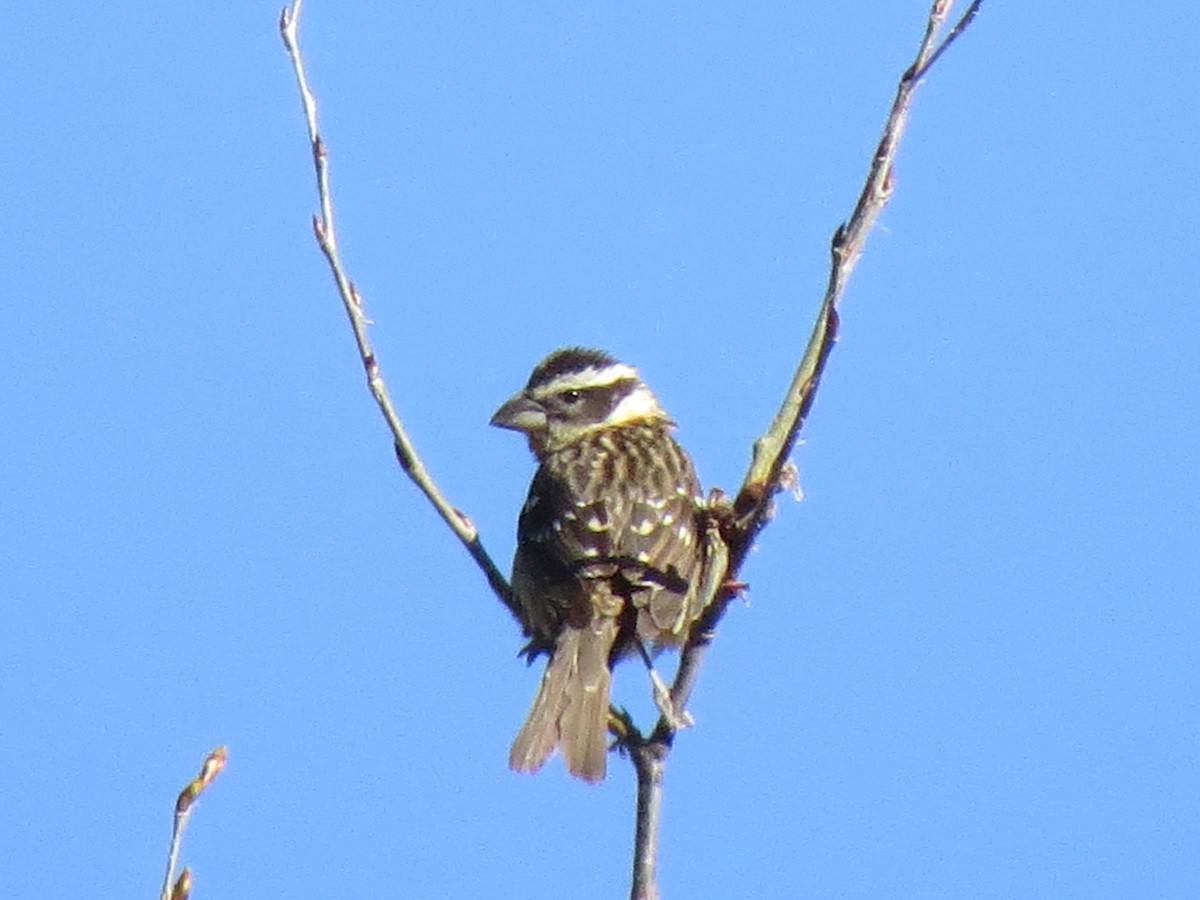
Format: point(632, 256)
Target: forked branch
point(739, 520)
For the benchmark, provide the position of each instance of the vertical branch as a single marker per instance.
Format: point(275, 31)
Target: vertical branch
point(649, 761)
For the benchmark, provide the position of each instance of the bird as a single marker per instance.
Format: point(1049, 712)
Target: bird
point(610, 546)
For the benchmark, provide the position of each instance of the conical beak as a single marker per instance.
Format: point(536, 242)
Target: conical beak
point(520, 414)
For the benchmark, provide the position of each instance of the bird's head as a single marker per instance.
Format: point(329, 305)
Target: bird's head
point(574, 392)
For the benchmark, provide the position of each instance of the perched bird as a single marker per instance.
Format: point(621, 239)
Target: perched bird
point(609, 545)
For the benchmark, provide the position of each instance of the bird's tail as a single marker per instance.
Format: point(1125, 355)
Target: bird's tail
point(571, 706)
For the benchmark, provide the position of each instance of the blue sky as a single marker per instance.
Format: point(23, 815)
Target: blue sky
point(968, 664)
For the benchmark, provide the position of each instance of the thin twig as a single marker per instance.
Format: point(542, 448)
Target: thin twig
point(754, 504)
point(323, 226)
point(753, 507)
point(181, 888)
point(959, 27)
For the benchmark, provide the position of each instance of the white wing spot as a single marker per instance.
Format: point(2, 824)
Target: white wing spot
point(642, 556)
point(644, 527)
point(594, 524)
point(668, 520)
point(657, 502)
point(591, 552)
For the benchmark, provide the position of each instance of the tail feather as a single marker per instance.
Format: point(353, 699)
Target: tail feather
point(540, 734)
point(571, 706)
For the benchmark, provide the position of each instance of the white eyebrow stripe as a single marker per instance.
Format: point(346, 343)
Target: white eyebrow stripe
point(591, 377)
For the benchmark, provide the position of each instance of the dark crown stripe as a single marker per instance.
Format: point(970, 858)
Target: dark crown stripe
point(566, 361)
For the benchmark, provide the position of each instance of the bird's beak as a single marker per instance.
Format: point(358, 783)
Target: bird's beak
point(520, 414)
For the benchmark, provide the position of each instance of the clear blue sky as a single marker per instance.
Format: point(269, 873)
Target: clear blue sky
point(968, 667)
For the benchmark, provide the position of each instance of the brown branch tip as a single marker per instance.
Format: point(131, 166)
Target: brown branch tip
point(213, 764)
point(183, 887)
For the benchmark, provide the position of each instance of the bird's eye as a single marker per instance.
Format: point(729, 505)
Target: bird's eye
point(570, 398)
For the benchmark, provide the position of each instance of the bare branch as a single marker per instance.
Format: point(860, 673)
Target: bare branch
point(323, 226)
point(772, 449)
point(181, 888)
point(752, 509)
point(650, 764)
